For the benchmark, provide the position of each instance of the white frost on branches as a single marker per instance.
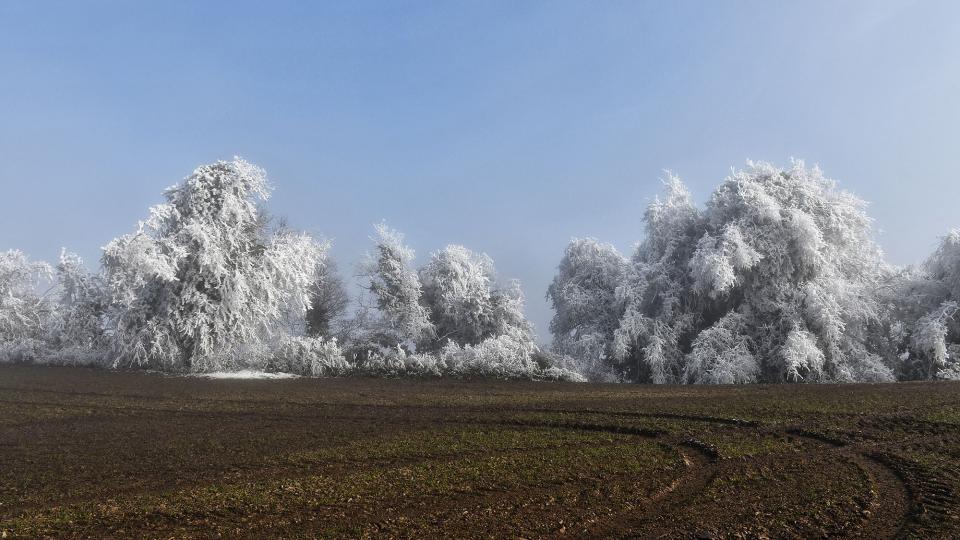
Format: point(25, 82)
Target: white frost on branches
point(925, 324)
point(202, 280)
point(396, 287)
point(776, 279)
point(465, 303)
point(773, 280)
point(800, 357)
point(721, 355)
point(585, 304)
point(25, 313)
point(456, 315)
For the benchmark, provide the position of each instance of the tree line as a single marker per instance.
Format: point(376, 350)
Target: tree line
point(210, 282)
point(776, 279)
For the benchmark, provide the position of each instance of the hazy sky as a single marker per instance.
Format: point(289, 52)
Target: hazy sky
point(508, 127)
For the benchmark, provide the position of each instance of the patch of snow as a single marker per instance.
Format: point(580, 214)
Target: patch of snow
point(246, 374)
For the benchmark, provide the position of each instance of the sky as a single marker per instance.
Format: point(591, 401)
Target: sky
point(508, 127)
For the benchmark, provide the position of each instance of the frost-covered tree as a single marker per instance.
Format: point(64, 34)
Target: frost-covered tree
point(722, 354)
point(508, 312)
point(926, 309)
point(460, 319)
point(25, 313)
point(83, 304)
point(465, 303)
point(61, 325)
point(774, 281)
point(657, 320)
point(396, 289)
point(201, 279)
point(328, 301)
point(457, 287)
point(586, 309)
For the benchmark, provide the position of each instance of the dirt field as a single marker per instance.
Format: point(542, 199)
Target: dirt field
point(87, 453)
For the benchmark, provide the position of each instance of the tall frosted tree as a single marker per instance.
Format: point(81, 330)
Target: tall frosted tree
point(83, 304)
point(465, 302)
point(201, 278)
point(780, 269)
point(775, 279)
point(396, 289)
point(586, 309)
point(925, 321)
point(658, 316)
point(25, 312)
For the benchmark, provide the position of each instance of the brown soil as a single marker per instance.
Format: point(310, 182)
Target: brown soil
point(90, 453)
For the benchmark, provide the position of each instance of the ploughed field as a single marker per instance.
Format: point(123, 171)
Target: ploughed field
point(89, 453)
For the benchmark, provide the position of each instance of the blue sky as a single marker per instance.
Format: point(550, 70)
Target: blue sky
point(508, 127)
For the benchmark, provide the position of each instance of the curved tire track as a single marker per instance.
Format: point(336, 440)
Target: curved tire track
point(891, 513)
point(700, 460)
